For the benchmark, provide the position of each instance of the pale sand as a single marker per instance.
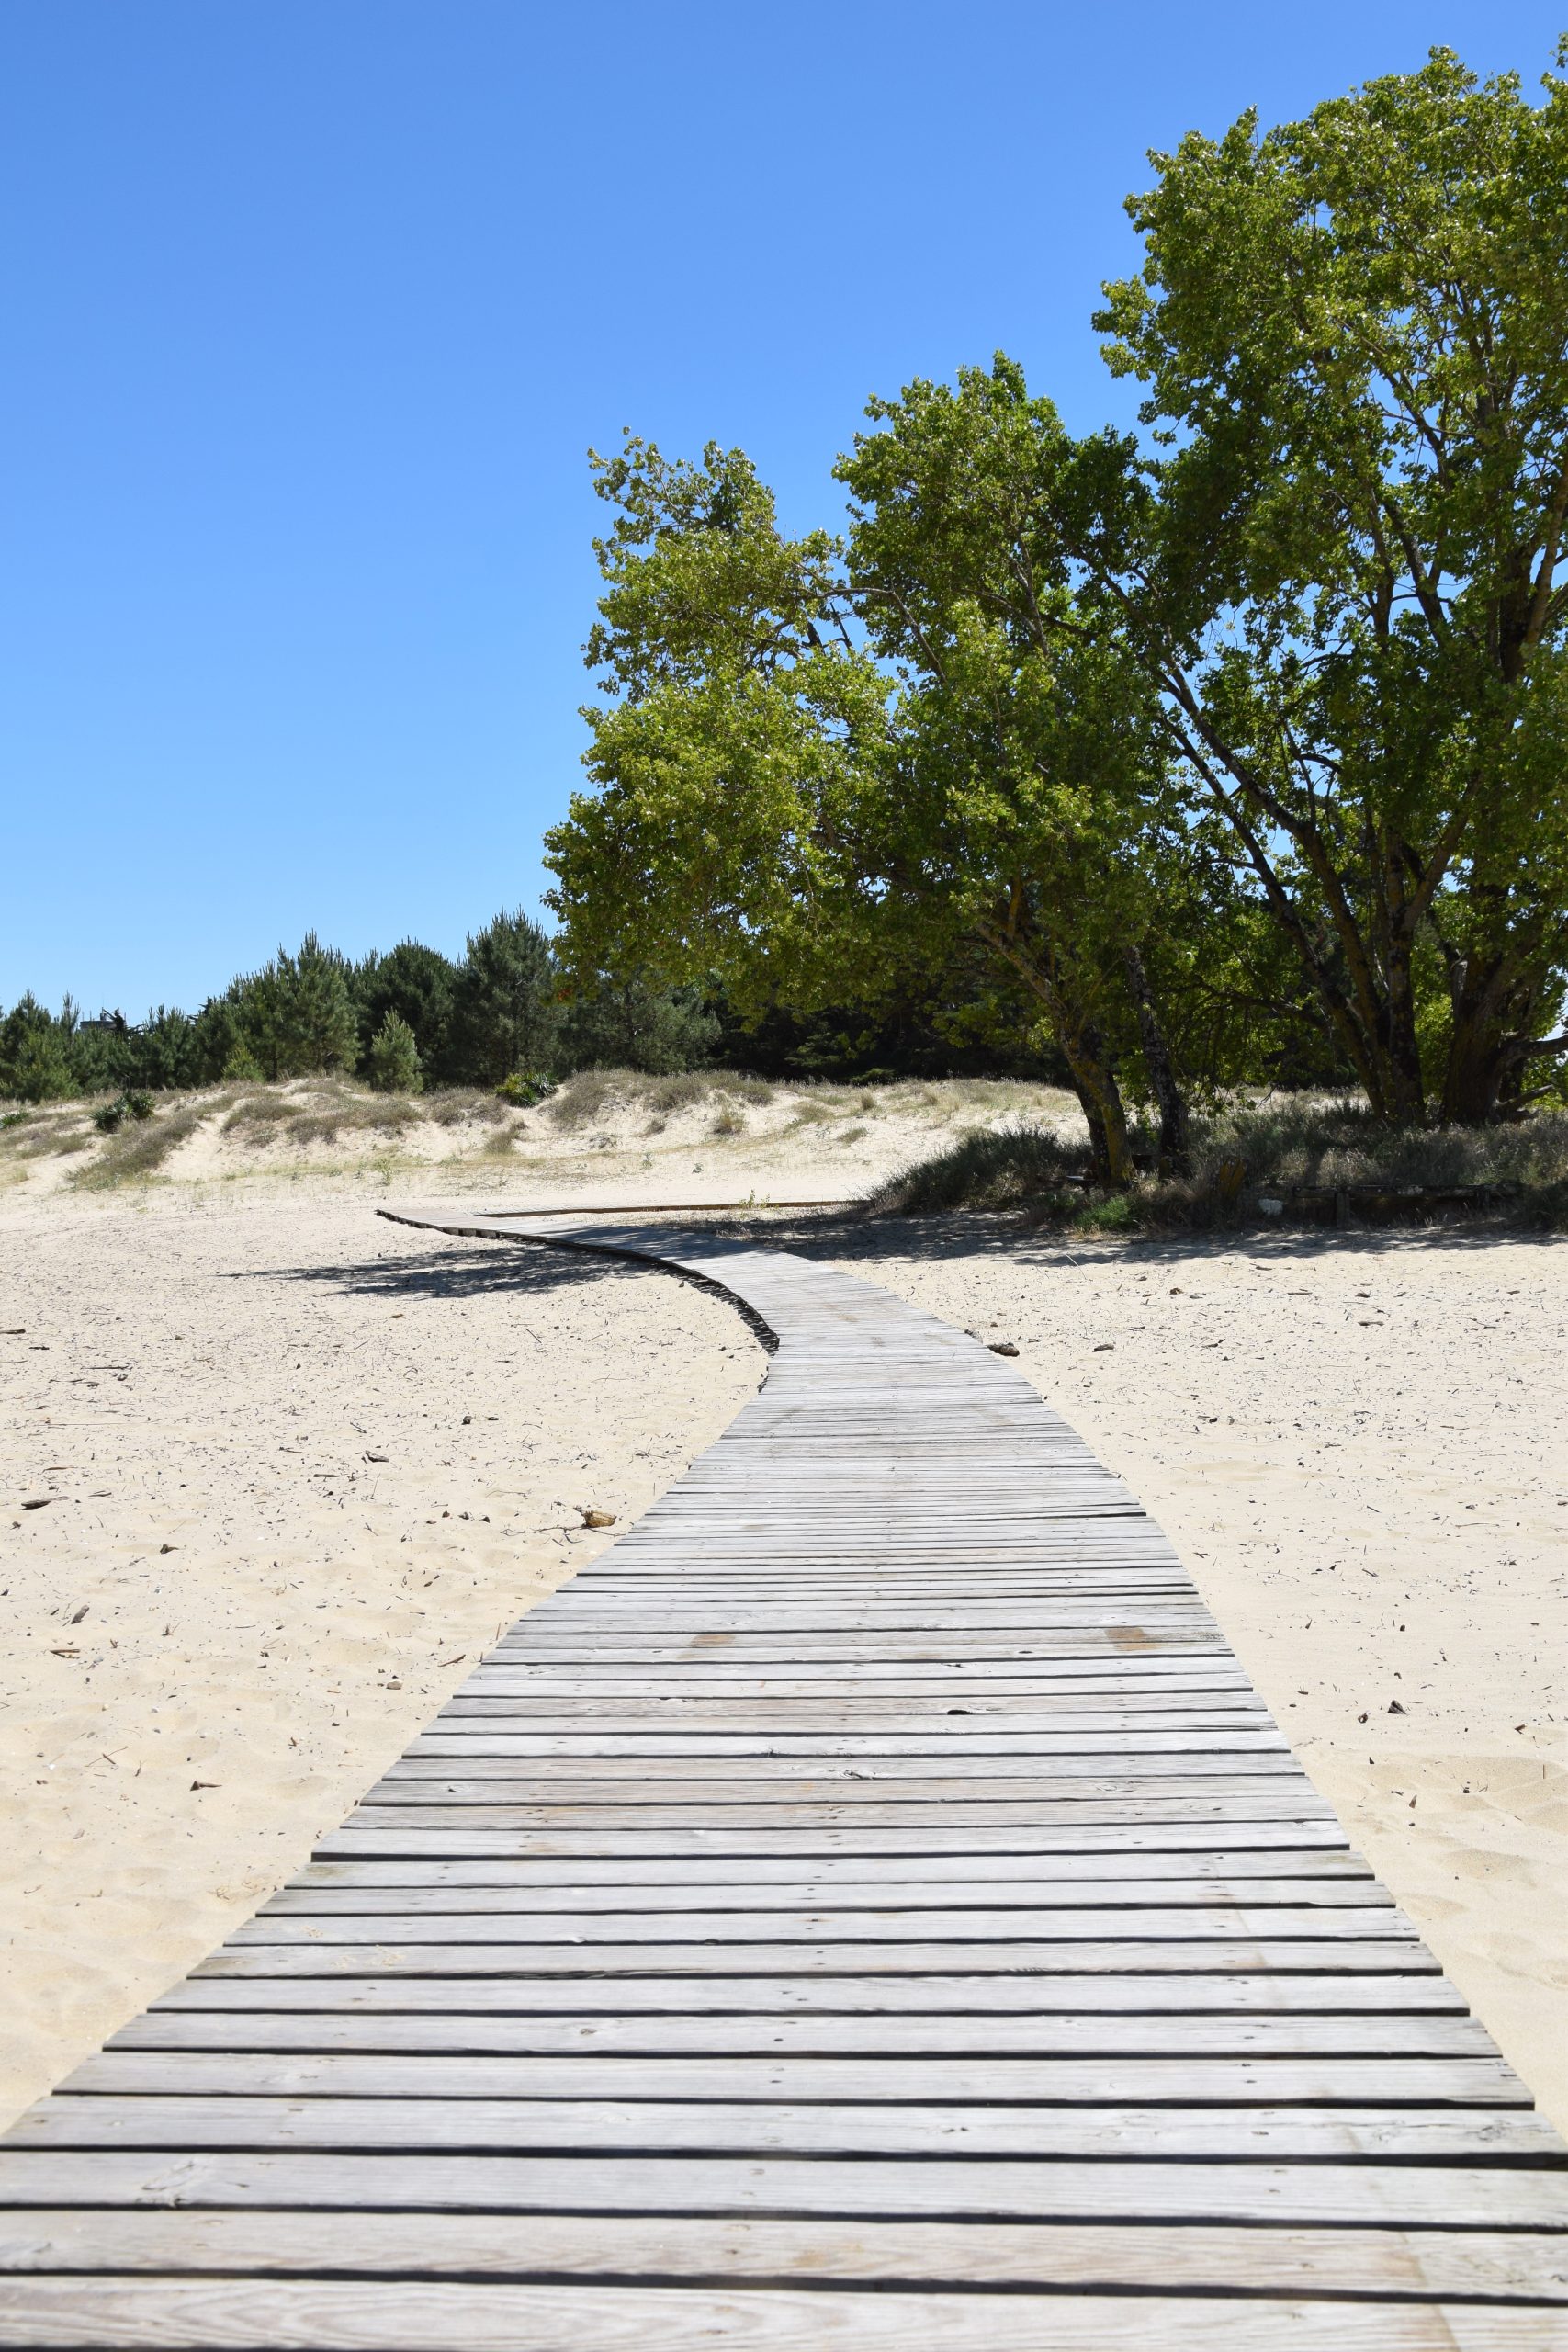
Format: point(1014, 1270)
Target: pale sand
point(1367, 1488)
point(283, 1396)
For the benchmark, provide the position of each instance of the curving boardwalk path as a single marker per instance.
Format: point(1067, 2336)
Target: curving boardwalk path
point(868, 1906)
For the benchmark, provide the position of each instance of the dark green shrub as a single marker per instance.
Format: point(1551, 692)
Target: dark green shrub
point(135, 1103)
point(394, 1058)
point(420, 985)
point(992, 1168)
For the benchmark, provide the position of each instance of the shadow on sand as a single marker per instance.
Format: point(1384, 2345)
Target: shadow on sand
point(434, 1266)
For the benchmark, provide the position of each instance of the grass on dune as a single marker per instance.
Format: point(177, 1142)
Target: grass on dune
point(134, 1154)
point(591, 1095)
point(1242, 1154)
point(989, 1167)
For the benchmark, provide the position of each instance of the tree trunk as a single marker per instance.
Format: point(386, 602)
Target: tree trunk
point(1474, 1076)
point(1398, 1044)
point(1486, 1001)
point(1094, 1083)
point(1175, 1141)
point(1084, 1049)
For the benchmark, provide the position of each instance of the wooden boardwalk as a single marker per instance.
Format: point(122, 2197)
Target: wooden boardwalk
point(867, 1906)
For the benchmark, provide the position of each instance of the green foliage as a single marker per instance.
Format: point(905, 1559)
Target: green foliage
point(295, 1016)
point(164, 1052)
point(1343, 577)
point(834, 773)
point(34, 1062)
point(523, 1089)
point(394, 1061)
point(626, 1024)
point(1117, 1214)
point(505, 1017)
point(421, 986)
point(136, 1104)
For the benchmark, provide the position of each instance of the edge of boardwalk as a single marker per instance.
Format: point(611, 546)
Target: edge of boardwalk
point(548, 1230)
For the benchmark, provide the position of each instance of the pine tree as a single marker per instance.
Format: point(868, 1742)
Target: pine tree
point(394, 1058)
point(296, 1016)
point(507, 1019)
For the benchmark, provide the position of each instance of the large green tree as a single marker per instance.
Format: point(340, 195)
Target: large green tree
point(295, 1016)
point(824, 768)
point(1342, 567)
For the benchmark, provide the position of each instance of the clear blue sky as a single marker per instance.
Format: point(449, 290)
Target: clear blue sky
point(312, 307)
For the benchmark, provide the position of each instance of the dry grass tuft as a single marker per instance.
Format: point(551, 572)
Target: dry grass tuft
point(329, 1109)
point(455, 1107)
point(134, 1154)
point(989, 1167)
point(1297, 1152)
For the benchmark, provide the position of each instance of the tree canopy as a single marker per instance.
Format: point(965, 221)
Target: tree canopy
point(1231, 746)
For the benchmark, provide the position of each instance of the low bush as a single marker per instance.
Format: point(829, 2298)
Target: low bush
point(678, 1091)
point(457, 1106)
point(324, 1122)
point(258, 1116)
point(589, 1095)
point(990, 1167)
point(134, 1104)
point(523, 1089)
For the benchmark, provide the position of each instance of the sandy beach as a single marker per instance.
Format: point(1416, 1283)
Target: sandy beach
point(295, 1466)
point(301, 1468)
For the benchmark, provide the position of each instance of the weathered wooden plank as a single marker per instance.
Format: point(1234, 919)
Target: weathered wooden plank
point(1263, 1990)
point(768, 1895)
point(1468, 2264)
point(736, 2128)
point(1357, 2194)
point(926, 2033)
point(897, 1779)
point(373, 2315)
point(1140, 1924)
point(1061, 1955)
point(650, 1714)
point(1083, 1829)
point(1254, 2081)
point(848, 1676)
point(1160, 1798)
point(1336, 1868)
point(944, 1746)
